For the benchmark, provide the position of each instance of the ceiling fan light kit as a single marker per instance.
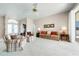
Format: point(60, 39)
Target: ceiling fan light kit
point(35, 7)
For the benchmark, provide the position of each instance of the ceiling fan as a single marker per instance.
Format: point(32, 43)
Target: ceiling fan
point(34, 7)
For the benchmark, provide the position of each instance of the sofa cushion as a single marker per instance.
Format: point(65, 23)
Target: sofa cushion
point(54, 33)
point(43, 32)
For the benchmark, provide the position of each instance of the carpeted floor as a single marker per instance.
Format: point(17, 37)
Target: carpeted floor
point(44, 47)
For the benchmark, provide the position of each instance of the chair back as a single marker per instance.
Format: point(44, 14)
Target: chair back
point(54, 33)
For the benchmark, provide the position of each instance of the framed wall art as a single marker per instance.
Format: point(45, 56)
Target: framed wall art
point(49, 25)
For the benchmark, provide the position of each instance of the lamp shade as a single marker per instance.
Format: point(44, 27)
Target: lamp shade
point(39, 29)
point(64, 28)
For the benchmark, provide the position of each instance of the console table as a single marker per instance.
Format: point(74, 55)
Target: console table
point(64, 37)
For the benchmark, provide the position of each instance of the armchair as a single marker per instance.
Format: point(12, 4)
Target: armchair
point(43, 34)
point(54, 35)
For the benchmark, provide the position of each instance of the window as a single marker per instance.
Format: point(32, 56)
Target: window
point(12, 26)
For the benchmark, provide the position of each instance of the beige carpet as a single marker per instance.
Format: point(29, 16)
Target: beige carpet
point(44, 47)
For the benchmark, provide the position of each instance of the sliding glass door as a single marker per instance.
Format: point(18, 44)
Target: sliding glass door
point(77, 26)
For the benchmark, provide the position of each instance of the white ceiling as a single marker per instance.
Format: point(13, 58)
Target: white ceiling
point(21, 10)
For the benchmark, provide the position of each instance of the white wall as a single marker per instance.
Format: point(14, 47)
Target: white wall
point(59, 20)
point(30, 25)
point(2, 26)
point(6, 25)
point(72, 26)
